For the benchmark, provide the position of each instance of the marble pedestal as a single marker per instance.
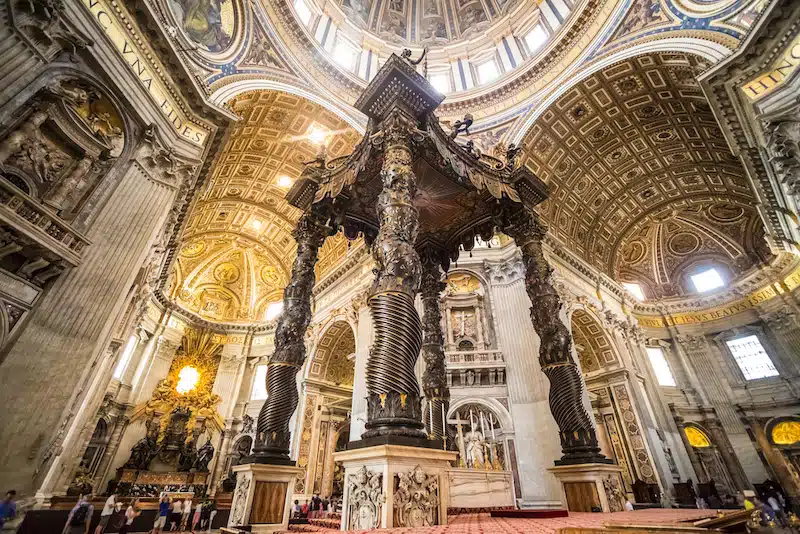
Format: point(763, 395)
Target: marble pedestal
point(382, 481)
point(587, 486)
point(476, 488)
point(262, 496)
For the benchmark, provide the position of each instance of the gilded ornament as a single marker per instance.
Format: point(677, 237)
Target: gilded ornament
point(786, 433)
point(697, 438)
point(226, 273)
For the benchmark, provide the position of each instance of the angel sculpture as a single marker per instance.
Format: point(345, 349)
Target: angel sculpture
point(461, 126)
point(512, 155)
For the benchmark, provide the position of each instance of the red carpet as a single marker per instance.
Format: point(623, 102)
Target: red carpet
point(531, 514)
point(485, 524)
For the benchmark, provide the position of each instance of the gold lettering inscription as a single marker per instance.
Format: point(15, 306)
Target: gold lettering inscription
point(781, 70)
point(137, 62)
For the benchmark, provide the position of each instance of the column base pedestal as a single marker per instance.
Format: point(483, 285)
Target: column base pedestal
point(382, 481)
point(262, 498)
point(590, 487)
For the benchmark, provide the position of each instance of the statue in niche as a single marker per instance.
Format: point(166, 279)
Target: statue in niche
point(470, 377)
point(204, 456)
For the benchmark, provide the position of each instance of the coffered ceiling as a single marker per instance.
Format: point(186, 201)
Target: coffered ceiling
point(237, 248)
point(635, 147)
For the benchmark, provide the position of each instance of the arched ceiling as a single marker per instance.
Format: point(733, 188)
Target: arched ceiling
point(634, 148)
point(330, 362)
point(594, 350)
point(237, 248)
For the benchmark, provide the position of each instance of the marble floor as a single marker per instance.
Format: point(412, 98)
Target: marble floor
point(484, 524)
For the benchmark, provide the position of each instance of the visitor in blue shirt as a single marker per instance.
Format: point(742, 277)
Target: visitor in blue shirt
point(163, 513)
point(8, 508)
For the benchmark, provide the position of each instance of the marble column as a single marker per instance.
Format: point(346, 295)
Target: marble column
point(578, 437)
point(728, 455)
point(273, 435)
point(536, 445)
point(394, 406)
point(777, 461)
point(71, 328)
point(434, 379)
point(364, 336)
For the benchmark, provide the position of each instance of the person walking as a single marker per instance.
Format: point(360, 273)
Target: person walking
point(196, 517)
point(105, 516)
point(177, 515)
point(80, 517)
point(130, 514)
point(163, 513)
point(187, 510)
point(8, 508)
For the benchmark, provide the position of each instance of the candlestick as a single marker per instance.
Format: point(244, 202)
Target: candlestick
point(471, 422)
point(491, 424)
point(430, 411)
point(483, 429)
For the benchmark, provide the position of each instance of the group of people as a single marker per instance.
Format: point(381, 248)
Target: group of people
point(318, 507)
point(176, 514)
point(775, 509)
point(80, 517)
point(173, 515)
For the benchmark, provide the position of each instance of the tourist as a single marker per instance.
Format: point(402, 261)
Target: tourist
point(130, 514)
point(204, 515)
point(316, 504)
point(325, 504)
point(163, 513)
point(80, 517)
point(198, 510)
point(105, 516)
point(777, 510)
point(628, 505)
point(187, 510)
point(213, 507)
point(304, 509)
point(177, 515)
point(298, 510)
point(8, 508)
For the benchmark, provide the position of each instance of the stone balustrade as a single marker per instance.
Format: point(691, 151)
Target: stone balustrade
point(476, 358)
point(40, 227)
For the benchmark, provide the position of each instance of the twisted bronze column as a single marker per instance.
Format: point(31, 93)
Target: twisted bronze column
point(393, 396)
point(272, 436)
point(434, 379)
point(578, 437)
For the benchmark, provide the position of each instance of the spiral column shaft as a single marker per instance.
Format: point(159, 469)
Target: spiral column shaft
point(576, 430)
point(272, 438)
point(393, 395)
point(434, 379)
